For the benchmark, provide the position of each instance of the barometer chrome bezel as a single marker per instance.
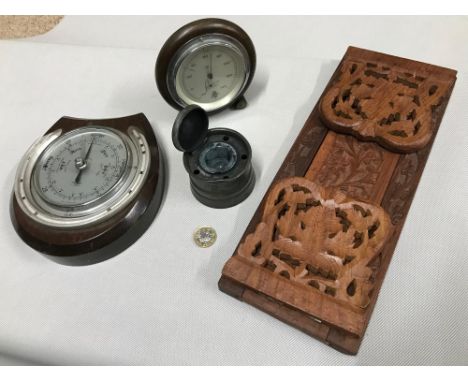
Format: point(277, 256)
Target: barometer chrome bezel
point(121, 195)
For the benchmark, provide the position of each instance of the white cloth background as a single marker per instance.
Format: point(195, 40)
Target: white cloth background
point(158, 302)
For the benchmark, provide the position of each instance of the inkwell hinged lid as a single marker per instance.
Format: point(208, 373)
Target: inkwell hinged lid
point(217, 160)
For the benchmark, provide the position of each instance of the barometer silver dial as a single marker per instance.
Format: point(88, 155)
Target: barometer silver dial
point(81, 168)
point(82, 177)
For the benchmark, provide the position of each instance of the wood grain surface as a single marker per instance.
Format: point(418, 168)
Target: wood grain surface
point(317, 249)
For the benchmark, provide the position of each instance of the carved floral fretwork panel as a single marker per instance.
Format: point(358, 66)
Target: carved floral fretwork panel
point(389, 105)
point(320, 238)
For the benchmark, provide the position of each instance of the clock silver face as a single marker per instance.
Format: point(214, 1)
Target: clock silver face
point(209, 72)
point(210, 76)
point(82, 167)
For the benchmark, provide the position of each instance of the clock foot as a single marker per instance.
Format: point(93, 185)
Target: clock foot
point(240, 104)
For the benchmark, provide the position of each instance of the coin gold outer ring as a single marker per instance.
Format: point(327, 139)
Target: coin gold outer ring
point(207, 242)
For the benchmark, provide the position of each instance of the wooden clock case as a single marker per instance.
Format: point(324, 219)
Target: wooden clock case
point(193, 30)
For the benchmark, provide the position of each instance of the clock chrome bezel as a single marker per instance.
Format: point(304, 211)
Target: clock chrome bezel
point(196, 44)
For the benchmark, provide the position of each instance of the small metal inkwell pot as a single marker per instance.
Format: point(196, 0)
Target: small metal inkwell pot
point(217, 160)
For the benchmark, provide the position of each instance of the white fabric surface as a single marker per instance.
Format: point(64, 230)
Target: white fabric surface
point(158, 302)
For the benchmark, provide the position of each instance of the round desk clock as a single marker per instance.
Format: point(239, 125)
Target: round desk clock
point(88, 189)
point(209, 63)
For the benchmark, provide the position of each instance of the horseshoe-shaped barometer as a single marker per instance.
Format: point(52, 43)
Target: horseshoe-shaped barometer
point(88, 189)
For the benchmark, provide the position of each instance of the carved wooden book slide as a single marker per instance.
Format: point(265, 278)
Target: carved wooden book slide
point(317, 249)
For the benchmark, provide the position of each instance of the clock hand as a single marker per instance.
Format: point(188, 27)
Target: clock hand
point(81, 163)
point(210, 74)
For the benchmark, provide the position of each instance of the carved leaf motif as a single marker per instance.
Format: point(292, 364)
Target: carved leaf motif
point(385, 104)
point(319, 238)
point(353, 167)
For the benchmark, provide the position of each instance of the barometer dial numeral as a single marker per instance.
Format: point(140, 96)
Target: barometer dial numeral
point(81, 169)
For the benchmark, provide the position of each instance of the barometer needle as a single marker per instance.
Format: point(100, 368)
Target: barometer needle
point(83, 166)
